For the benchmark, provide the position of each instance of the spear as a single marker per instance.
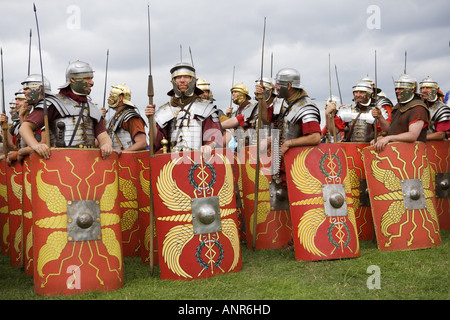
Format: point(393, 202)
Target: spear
point(5, 124)
point(375, 123)
point(47, 136)
point(231, 98)
point(150, 94)
point(29, 54)
point(258, 128)
point(106, 79)
point(331, 98)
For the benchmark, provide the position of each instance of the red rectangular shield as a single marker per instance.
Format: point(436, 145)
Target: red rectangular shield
point(195, 211)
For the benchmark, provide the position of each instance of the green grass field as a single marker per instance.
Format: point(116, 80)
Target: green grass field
point(276, 275)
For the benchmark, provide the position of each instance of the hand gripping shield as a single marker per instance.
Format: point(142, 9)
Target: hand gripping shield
point(195, 211)
point(15, 185)
point(402, 197)
point(438, 153)
point(273, 224)
point(358, 184)
point(323, 218)
point(76, 222)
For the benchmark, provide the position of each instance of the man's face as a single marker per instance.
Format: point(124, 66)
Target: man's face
point(182, 82)
point(82, 85)
point(398, 92)
point(426, 91)
point(21, 103)
point(360, 97)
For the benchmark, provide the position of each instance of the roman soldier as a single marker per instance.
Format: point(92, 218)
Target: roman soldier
point(126, 128)
point(356, 121)
point(74, 121)
point(410, 116)
point(187, 122)
point(440, 112)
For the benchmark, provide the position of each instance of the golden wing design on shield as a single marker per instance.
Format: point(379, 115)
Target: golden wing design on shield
point(51, 250)
point(226, 193)
point(16, 188)
point(172, 196)
point(302, 178)
point(263, 196)
point(230, 230)
point(109, 196)
point(307, 229)
point(51, 195)
point(173, 245)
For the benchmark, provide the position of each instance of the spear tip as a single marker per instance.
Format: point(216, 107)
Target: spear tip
point(34, 7)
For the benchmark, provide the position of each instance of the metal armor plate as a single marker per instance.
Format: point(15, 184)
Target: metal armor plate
point(273, 226)
point(15, 185)
point(438, 153)
point(72, 267)
point(358, 184)
point(321, 232)
point(400, 221)
point(4, 211)
point(177, 180)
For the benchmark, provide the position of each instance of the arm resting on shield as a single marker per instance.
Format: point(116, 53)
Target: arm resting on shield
point(410, 136)
point(105, 144)
point(26, 131)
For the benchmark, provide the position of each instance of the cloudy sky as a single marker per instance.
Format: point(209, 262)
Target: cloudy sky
point(227, 35)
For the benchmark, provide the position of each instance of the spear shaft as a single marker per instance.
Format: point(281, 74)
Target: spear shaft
point(258, 129)
point(150, 118)
point(47, 136)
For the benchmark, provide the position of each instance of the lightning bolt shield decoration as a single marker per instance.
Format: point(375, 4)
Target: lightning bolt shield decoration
point(62, 263)
point(402, 196)
point(438, 153)
point(321, 205)
point(190, 186)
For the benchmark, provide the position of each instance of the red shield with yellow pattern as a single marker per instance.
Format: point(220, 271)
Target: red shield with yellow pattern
point(273, 223)
point(438, 153)
point(402, 196)
point(76, 222)
point(129, 207)
point(358, 183)
point(4, 211)
point(15, 185)
point(142, 159)
point(239, 191)
point(27, 217)
point(195, 210)
point(323, 218)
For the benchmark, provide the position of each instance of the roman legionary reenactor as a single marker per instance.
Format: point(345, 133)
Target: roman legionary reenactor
point(193, 186)
point(356, 122)
point(438, 147)
point(126, 128)
point(439, 111)
point(76, 222)
point(399, 175)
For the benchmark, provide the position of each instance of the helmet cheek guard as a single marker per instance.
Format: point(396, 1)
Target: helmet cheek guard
point(409, 85)
point(79, 87)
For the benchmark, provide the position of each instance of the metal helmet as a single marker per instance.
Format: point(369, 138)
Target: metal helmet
point(365, 87)
point(268, 85)
point(286, 76)
point(203, 85)
point(243, 90)
point(184, 69)
point(78, 70)
point(409, 84)
point(20, 95)
point(34, 82)
point(116, 91)
point(428, 82)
